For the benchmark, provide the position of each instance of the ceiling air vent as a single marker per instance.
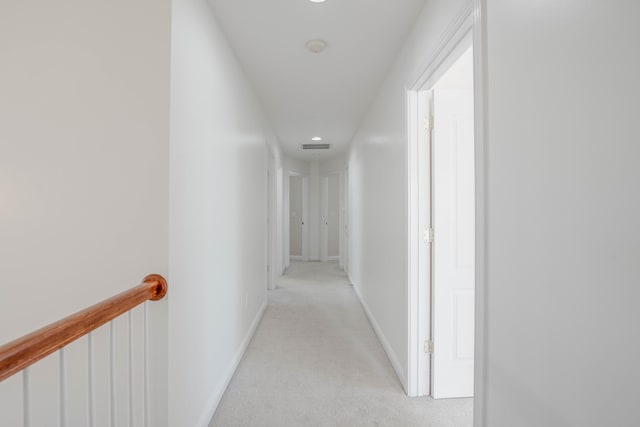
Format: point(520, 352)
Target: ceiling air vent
point(316, 146)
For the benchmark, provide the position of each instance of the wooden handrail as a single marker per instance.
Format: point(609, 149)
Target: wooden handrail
point(24, 352)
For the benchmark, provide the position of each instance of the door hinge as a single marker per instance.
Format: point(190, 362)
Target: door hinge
point(428, 123)
point(428, 235)
point(428, 346)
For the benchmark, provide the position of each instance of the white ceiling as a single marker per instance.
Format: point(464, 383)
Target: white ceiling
point(324, 94)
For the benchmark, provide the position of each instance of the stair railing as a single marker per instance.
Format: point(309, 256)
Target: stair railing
point(16, 356)
point(24, 352)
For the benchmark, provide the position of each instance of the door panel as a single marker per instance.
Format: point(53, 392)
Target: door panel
point(333, 216)
point(454, 245)
point(295, 216)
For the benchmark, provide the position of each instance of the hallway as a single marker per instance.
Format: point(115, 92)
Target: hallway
point(316, 361)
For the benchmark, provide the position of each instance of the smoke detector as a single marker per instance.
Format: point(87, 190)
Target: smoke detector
point(316, 46)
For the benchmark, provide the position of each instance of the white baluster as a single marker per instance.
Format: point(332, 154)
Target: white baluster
point(112, 375)
point(62, 382)
point(91, 407)
point(131, 374)
point(146, 366)
point(26, 416)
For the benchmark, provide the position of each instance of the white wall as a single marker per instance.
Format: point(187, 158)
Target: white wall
point(563, 213)
point(377, 261)
point(333, 165)
point(84, 145)
point(218, 214)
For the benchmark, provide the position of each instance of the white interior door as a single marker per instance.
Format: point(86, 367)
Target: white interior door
point(332, 222)
point(344, 253)
point(454, 243)
point(296, 217)
point(324, 218)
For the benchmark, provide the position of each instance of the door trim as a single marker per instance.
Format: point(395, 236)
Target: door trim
point(468, 26)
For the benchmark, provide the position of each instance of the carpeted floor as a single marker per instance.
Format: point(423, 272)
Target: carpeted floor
point(316, 361)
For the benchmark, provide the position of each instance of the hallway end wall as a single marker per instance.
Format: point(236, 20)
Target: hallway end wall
point(218, 211)
point(315, 171)
point(378, 189)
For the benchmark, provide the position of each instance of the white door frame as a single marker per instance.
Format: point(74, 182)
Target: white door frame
point(466, 28)
point(305, 217)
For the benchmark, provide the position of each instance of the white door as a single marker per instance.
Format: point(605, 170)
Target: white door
point(324, 203)
point(345, 222)
point(296, 217)
point(454, 243)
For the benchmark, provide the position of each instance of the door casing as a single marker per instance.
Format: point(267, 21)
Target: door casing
point(465, 30)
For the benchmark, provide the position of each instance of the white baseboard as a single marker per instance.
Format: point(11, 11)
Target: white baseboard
point(296, 258)
point(214, 401)
point(333, 258)
point(393, 358)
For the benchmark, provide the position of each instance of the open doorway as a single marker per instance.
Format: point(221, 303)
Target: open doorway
point(442, 212)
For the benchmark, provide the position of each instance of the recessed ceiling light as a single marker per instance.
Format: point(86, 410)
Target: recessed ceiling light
point(317, 1)
point(316, 138)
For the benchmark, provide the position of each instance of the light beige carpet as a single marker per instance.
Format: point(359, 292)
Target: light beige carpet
point(316, 361)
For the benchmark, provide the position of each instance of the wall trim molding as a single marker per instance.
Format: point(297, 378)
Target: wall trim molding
point(215, 398)
point(462, 22)
point(479, 70)
point(391, 355)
